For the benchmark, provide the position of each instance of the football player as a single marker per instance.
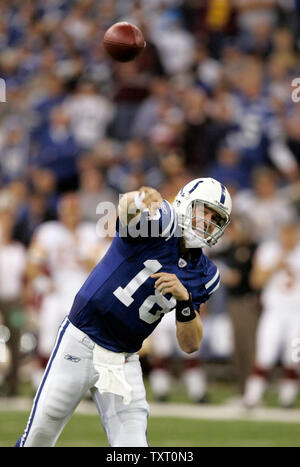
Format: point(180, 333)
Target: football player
point(125, 297)
point(276, 274)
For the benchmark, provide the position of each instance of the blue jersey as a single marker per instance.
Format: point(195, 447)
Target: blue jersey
point(118, 306)
point(257, 128)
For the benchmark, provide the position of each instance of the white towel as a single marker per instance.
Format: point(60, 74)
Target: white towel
point(110, 366)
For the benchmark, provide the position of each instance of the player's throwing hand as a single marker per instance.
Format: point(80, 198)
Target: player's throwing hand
point(169, 283)
point(151, 198)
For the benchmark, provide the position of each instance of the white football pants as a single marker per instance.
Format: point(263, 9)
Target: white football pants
point(277, 330)
point(70, 373)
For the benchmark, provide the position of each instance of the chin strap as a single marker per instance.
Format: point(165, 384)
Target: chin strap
point(192, 241)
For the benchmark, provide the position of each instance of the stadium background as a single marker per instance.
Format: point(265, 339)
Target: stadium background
point(211, 95)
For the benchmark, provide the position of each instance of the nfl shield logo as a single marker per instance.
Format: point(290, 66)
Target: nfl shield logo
point(182, 263)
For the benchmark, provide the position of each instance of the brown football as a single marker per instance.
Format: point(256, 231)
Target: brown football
point(124, 41)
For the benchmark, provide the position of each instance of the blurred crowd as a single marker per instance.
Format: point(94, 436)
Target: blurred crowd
point(211, 95)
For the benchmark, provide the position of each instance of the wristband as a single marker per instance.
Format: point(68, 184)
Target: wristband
point(185, 310)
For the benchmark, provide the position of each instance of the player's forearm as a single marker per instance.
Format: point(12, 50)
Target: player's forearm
point(188, 323)
point(189, 334)
point(129, 207)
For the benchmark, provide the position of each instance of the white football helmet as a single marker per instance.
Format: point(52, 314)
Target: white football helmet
point(203, 207)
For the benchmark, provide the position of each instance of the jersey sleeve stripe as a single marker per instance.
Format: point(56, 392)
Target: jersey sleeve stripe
point(215, 288)
point(174, 227)
point(212, 281)
point(168, 229)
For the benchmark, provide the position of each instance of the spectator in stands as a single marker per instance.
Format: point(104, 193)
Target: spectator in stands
point(92, 191)
point(258, 129)
point(28, 217)
point(148, 113)
point(130, 90)
point(90, 114)
point(174, 174)
point(53, 96)
point(135, 169)
point(264, 206)
point(43, 182)
point(228, 167)
point(56, 150)
point(291, 124)
point(170, 36)
point(249, 13)
point(14, 152)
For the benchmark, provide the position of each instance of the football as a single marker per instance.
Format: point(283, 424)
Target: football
point(124, 41)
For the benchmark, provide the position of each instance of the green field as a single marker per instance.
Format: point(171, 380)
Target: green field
point(85, 430)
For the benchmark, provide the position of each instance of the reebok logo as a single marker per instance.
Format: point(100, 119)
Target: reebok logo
point(71, 358)
point(186, 311)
